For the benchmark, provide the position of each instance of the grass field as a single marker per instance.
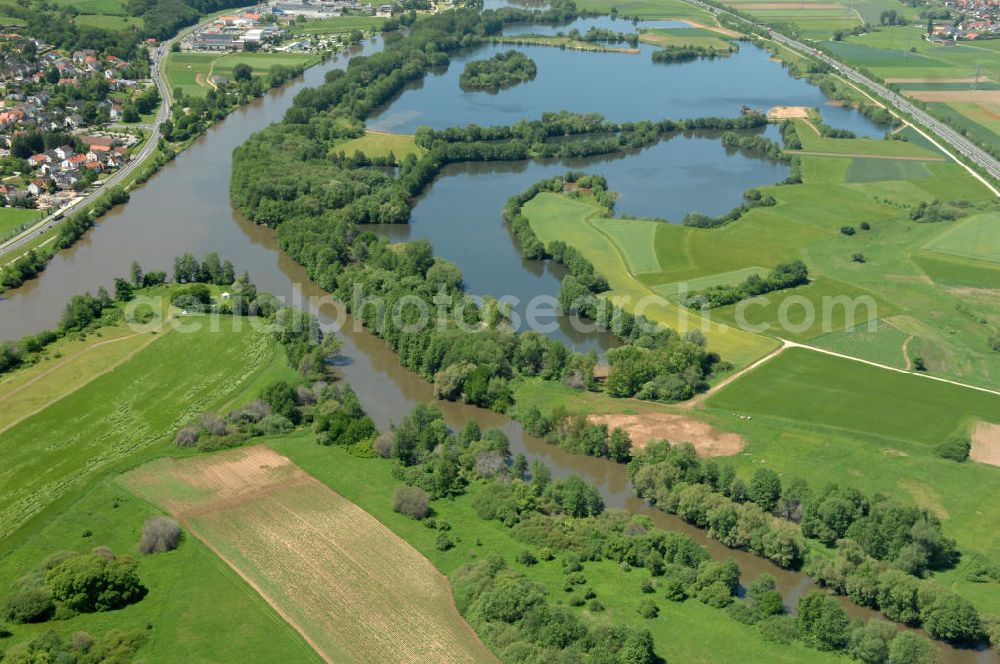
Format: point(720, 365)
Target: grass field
point(191, 72)
point(976, 237)
point(112, 23)
point(355, 590)
point(122, 413)
point(684, 632)
point(336, 25)
point(110, 7)
point(12, 219)
point(677, 9)
point(684, 37)
point(379, 144)
point(197, 610)
point(813, 388)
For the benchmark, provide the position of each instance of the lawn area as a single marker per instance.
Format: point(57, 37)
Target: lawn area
point(124, 412)
point(197, 608)
point(380, 144)
point(684, 632)
point(192, 71)
point(886, 344)
point(336, 25)
point(12, 219)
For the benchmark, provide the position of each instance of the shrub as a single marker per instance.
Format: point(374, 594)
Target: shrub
point(213, 424)
point(187, 437)
point(648, 609)
point(443, 542)
point(779, 629)
point(647, 586)
point(955, 448)
point(858, 257)
point(847, 230)
point(594, 606)
point(91, 582)
point(29, 605)
point(159, 534)
point(865, 226)
point(526, 557)
point(744, 613)
point(412, 501)
point(675, 590)
point(716, 594)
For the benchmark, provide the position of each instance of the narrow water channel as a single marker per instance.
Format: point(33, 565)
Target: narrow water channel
point(185, 207)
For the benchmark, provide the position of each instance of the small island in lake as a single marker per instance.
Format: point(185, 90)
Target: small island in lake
point(503, 70)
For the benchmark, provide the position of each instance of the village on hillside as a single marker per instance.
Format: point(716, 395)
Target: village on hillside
point(55, 110)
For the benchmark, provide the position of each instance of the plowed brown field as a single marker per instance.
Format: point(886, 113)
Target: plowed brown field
point(353, 589)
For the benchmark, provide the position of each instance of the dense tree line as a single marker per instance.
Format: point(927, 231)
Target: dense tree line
point(689, 52)
point(503, 70)
point(754, 145)
point(883, 546)
point(113, 647)
point(790, 135)
point(784, 276)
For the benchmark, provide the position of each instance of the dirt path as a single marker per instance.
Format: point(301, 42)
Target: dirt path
point(853, 155)
point(906, 353)
point(699, 398)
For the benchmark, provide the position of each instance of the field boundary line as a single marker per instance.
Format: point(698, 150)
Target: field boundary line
point(260, 591)
point(63, 363)
point(795, 344)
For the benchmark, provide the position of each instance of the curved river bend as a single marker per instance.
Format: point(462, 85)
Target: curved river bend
point(185, 207)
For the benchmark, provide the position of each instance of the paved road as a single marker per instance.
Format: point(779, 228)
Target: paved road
point(9, 249)
point(959, 143)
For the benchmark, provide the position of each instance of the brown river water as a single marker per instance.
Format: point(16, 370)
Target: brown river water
point(185, 207)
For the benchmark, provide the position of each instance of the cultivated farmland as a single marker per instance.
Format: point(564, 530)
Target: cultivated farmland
point(354, 590)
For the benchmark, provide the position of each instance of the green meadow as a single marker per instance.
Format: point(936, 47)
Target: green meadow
point(646, 9)
point(976, 237)
point(193, 596)
point(684, 37)
point(124, 413)
point(191, 72)
point(110, 22)
point(11, 219)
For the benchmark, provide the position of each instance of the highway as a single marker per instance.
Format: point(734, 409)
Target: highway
point(959, 143)
point(8, 248)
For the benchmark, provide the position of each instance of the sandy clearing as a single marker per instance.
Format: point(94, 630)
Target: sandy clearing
point(714, 28)
point(353, 589)
point(986, 443)
point(785, 112)
point(644, 429)
point(975, 96)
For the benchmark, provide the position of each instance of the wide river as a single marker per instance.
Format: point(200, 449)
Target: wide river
point(185, 207)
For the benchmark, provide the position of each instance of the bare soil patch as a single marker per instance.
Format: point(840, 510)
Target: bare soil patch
point(353, 589)
point(651, 427)
point(786, 112)
point(974, 96)
point(986, 443)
